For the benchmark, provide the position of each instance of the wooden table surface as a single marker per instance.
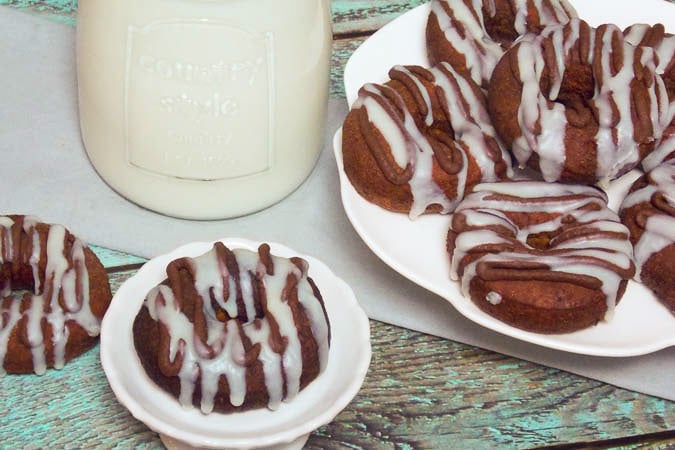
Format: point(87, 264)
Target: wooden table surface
point(420, 391)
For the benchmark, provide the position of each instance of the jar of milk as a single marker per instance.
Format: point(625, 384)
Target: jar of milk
point(203, 109)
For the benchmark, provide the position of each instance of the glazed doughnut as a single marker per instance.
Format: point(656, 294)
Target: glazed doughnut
point(543, 257)
point(578, 104)
point(472, 35)
point(649, 213)
point(232, 330)
point(54, 295)
point(417, 142)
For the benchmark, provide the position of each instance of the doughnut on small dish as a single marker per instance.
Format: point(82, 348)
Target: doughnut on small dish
point(232, 330)
point(284, 424)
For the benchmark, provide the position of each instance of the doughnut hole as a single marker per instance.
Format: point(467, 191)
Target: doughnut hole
point(541, 240)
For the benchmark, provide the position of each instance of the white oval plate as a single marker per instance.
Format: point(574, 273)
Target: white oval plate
point(416, 249)
point(314, 406)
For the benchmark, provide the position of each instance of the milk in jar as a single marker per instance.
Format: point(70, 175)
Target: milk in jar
point(203, 109)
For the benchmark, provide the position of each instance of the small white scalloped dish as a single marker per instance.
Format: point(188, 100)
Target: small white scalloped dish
point(416, 249)
point(287, 427)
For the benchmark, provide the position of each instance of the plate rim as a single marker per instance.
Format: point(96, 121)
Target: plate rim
point(415, 15)
point(471, 312)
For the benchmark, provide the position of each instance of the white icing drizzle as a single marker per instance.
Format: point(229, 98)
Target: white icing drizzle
point(664, 49)
point(408, 144)
point(659, 234)
point(659, 230)
point(35, 314)
point(9, 318)
point(493, 297)
point(463, 24)
point(34, 259)
point(65, 277)
point(6, 243)
point(543, 122)
point(660, 153)
point(223, 354)
point(591, 254)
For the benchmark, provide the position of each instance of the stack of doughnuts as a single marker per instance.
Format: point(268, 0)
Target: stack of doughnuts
point(523, 118)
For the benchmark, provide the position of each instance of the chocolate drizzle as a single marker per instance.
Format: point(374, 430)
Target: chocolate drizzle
point(664, 202)
point(232, 314)
point(531, 271)
point(392, 171)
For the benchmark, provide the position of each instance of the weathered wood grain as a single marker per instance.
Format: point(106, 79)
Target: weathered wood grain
point(420, 392)
point(424, 392)
point(113, 259)
point(342, 50)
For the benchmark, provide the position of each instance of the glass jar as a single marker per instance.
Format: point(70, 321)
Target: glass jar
point(203, 109)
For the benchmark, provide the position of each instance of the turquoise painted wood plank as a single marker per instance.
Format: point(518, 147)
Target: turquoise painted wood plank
point(352, 17)
point(58, 10)
point(349, 17)
point(342, 50)
point(57, 5)
point(113, 258)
